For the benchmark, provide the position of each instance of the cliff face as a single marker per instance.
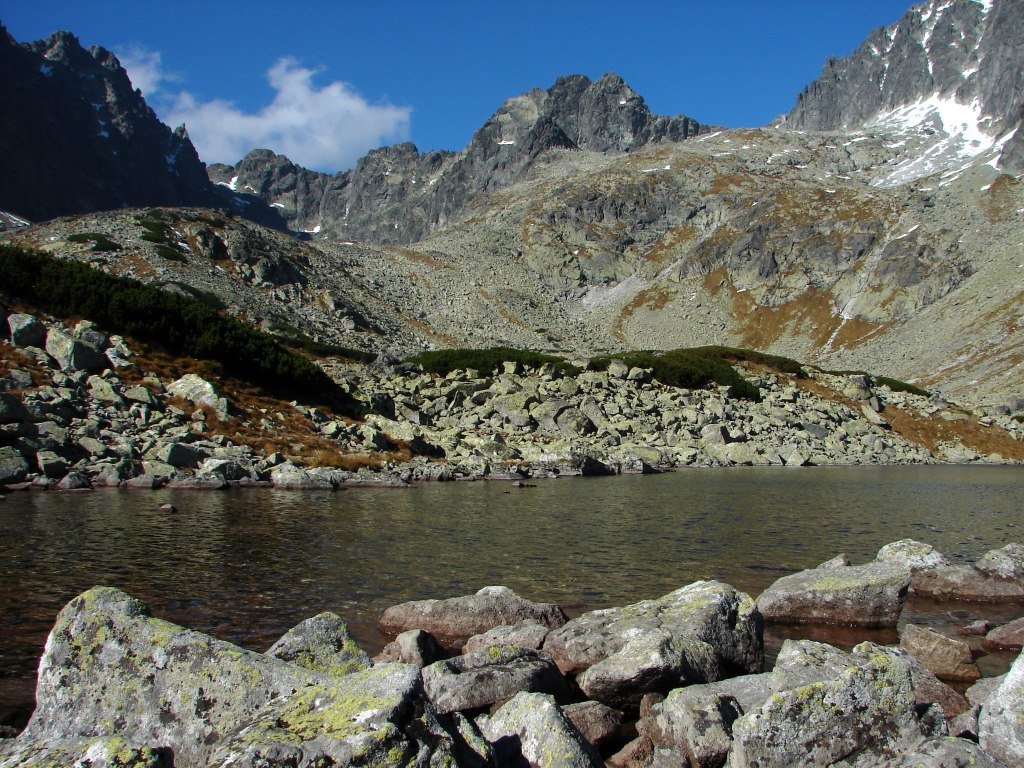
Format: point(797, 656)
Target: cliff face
point(398, 195)
point(955, 60)
point(76, 137)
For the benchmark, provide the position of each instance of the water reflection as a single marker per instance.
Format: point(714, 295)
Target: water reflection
point(247, 565)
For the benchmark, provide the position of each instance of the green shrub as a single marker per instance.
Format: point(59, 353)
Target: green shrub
point(100, 242)
point(291, 336)
point(901, 386)
point(735, 354)
point(444, 361)
point(685, 368)
point(181, 325)
point(169, 252)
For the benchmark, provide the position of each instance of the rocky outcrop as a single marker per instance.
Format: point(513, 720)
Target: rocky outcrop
point(85, 139)
point(398, 195)
point(958, 51)
point(869, 595)
point(454, 620)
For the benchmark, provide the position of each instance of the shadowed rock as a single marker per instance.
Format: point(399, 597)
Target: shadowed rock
point(532, 730)
point(488, 677)
point(455, 620)
point(413, 647)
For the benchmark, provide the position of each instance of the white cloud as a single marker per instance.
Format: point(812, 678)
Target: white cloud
point(326, 128)
point(145, 69)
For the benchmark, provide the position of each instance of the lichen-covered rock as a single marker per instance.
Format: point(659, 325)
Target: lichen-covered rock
point(596, 723)
point(414, 647)
point(354, 721)
point(321, 644)
point(532, 730)
point(701, 632)
point(703, 729)
point(109, 668)
point(455, 620)
point(198, 390)
point(866, 707)
point(523, 634)
point(92, 752)
point(978, 693)
point(13, 466)
point(69, 352)
point(1001, 724)
point(1005, 563)
point(870, 595)
point(947, 657)
point(490, 676)
point(948, 752)
point(912, 555)
point(1009, 636)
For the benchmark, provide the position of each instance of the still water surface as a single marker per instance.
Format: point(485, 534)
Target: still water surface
point(247, 565)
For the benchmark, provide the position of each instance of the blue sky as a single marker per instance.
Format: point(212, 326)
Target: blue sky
point(324, 82)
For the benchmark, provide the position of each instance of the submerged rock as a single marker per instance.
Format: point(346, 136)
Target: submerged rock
point(869, 595)
point(704, 631)
point(455, 620)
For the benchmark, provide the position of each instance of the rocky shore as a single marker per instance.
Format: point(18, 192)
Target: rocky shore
point(79, 410)
point(494, 679)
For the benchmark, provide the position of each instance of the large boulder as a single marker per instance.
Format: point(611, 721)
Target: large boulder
point(867, 707)
point(1009, 636)
point(110, 669)
point(26, 330)
point(1001, 724)
point(1005, 563)
point(321, 644)
point(523, 634)
point(488, 677)
point(353, 721)
point(869, 595)
point(531, 730)
point(454, 620)
point(13, 466)
point(967, 583)
point(912, 555)
point(704, 631)
point(596, 723)
point(947, 657)
point(69, 352)
point(292, 477)
point(199, 391)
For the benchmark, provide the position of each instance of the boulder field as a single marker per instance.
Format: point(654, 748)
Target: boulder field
point(80, 410)
point(494, 679)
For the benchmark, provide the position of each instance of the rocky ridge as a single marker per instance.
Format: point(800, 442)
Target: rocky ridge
point(677, 680)
point(78, 137)
point(398, 195)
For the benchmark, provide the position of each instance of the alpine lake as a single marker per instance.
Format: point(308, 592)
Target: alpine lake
point(246, 565)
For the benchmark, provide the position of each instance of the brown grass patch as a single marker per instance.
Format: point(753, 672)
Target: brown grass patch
point(930, 431)
point(1003, 198)
point(666, 246)
point(652, 299)
point(420, 258)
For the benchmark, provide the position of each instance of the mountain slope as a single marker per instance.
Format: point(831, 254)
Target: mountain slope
point(949, 66)
point(75, 136)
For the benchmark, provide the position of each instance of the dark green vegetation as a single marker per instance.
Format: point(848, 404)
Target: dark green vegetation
point(444, 361)
point(179, 324)
point(884, 381)
point(100, 242)
point(292, 337)
point(687, 369)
